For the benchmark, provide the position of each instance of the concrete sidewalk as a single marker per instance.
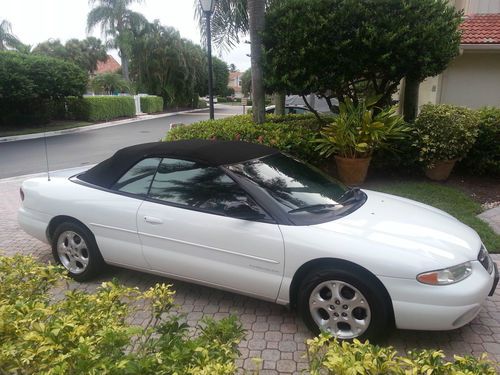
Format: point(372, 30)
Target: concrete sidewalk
point(95, 126)
point(492, 217)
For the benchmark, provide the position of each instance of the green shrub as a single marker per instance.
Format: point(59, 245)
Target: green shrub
point(484, 156)
point(84, 333)
point(445, 132)
point(151, 104)
point(222, 99)
point(293, 134)
point(29, 82)
point(103, 108)
point(110, 107)
point(358, 131)
point(327, 356)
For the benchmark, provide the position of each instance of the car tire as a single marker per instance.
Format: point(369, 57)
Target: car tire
point(347, 303)
point(74, 247)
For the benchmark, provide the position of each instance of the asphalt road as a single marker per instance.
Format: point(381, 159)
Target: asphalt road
point(90, 147)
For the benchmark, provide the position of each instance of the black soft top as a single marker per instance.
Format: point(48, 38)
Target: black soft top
point(211, 153)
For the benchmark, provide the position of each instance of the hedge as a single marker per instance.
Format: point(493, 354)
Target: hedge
point(484, 157)
point(151, 104)
point(99, 108)
point(90, 333)
point(293, 134)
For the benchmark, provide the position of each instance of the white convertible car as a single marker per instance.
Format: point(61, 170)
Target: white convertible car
point(246, 218)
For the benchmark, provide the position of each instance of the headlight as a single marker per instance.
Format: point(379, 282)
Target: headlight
point(446, 276)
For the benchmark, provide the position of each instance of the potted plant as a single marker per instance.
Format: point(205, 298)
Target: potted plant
point(445, 133)
point(356, 133)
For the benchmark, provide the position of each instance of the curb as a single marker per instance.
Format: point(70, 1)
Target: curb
point(93, 127)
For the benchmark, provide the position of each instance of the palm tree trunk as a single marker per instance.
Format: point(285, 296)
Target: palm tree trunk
point(256, 14)
point(125, 71)
point(279, 102)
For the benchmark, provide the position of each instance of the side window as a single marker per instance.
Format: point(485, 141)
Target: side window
point(209, 188)
point(138, 178)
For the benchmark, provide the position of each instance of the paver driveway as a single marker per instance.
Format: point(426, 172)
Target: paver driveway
point(274, 334)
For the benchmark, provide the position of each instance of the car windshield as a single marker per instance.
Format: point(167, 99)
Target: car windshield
point(296, 186)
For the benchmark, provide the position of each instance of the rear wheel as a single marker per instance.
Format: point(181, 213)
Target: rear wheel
point(74, 247)
point(344, 303)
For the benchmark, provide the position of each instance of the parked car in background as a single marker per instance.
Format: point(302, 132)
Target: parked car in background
point(289, 110)
point(248, 219)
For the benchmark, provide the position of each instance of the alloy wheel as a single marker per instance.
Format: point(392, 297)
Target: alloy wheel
point(73, 252)
point(339, 308)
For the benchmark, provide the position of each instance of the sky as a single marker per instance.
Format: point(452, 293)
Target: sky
point(35, 21)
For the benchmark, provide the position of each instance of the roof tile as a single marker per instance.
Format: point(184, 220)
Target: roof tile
point(481, 29)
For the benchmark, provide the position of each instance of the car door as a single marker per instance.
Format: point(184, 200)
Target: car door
point(113, 217)
point(198, 224)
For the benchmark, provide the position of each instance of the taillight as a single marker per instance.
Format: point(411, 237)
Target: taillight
point(21, 193)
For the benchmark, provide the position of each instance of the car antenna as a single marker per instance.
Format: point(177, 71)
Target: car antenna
point(46, 152)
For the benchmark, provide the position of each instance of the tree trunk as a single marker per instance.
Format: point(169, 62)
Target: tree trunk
point(256, 14)
point(279, 103)
point(410, 103)
point(124, 59)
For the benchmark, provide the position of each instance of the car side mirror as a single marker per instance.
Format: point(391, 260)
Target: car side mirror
point(242, 210)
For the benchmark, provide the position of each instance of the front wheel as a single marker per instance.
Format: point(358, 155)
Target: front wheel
point(343, 303)
point(74, 247)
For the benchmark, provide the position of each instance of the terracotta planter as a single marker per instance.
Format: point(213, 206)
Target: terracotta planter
point(441, 170)
point(352, 172)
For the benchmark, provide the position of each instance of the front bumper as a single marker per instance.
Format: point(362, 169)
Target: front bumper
point(495, 280)
point(427, 307)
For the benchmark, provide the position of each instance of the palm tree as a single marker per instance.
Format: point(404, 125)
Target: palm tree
point(117, 24)
point(7, 39)
point(230, 20)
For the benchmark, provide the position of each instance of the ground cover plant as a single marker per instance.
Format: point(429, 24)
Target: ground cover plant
point(327, 356)
point(82, 333)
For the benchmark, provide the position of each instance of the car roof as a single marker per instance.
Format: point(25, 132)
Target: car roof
point(208, 152)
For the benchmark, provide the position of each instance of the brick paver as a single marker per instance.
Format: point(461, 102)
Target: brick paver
point(273, 333)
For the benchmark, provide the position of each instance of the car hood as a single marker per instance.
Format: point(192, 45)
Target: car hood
point(402, 227)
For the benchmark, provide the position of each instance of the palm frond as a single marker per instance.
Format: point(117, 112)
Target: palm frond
point(229, 22)
point(101, 15)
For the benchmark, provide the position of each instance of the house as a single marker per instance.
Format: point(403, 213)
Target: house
point(108, 66)
point(235, 83)
point(473, 78)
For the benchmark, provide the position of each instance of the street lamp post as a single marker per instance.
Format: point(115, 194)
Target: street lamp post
point(208, 8)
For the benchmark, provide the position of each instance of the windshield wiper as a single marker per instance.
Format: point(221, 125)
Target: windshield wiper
point(312, 207)
point(355, 193)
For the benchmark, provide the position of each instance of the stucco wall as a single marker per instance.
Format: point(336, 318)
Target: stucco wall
point(428, 92)
point(472, 80)
point(477, 6)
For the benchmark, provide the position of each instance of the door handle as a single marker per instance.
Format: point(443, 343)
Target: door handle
point(152, 220)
